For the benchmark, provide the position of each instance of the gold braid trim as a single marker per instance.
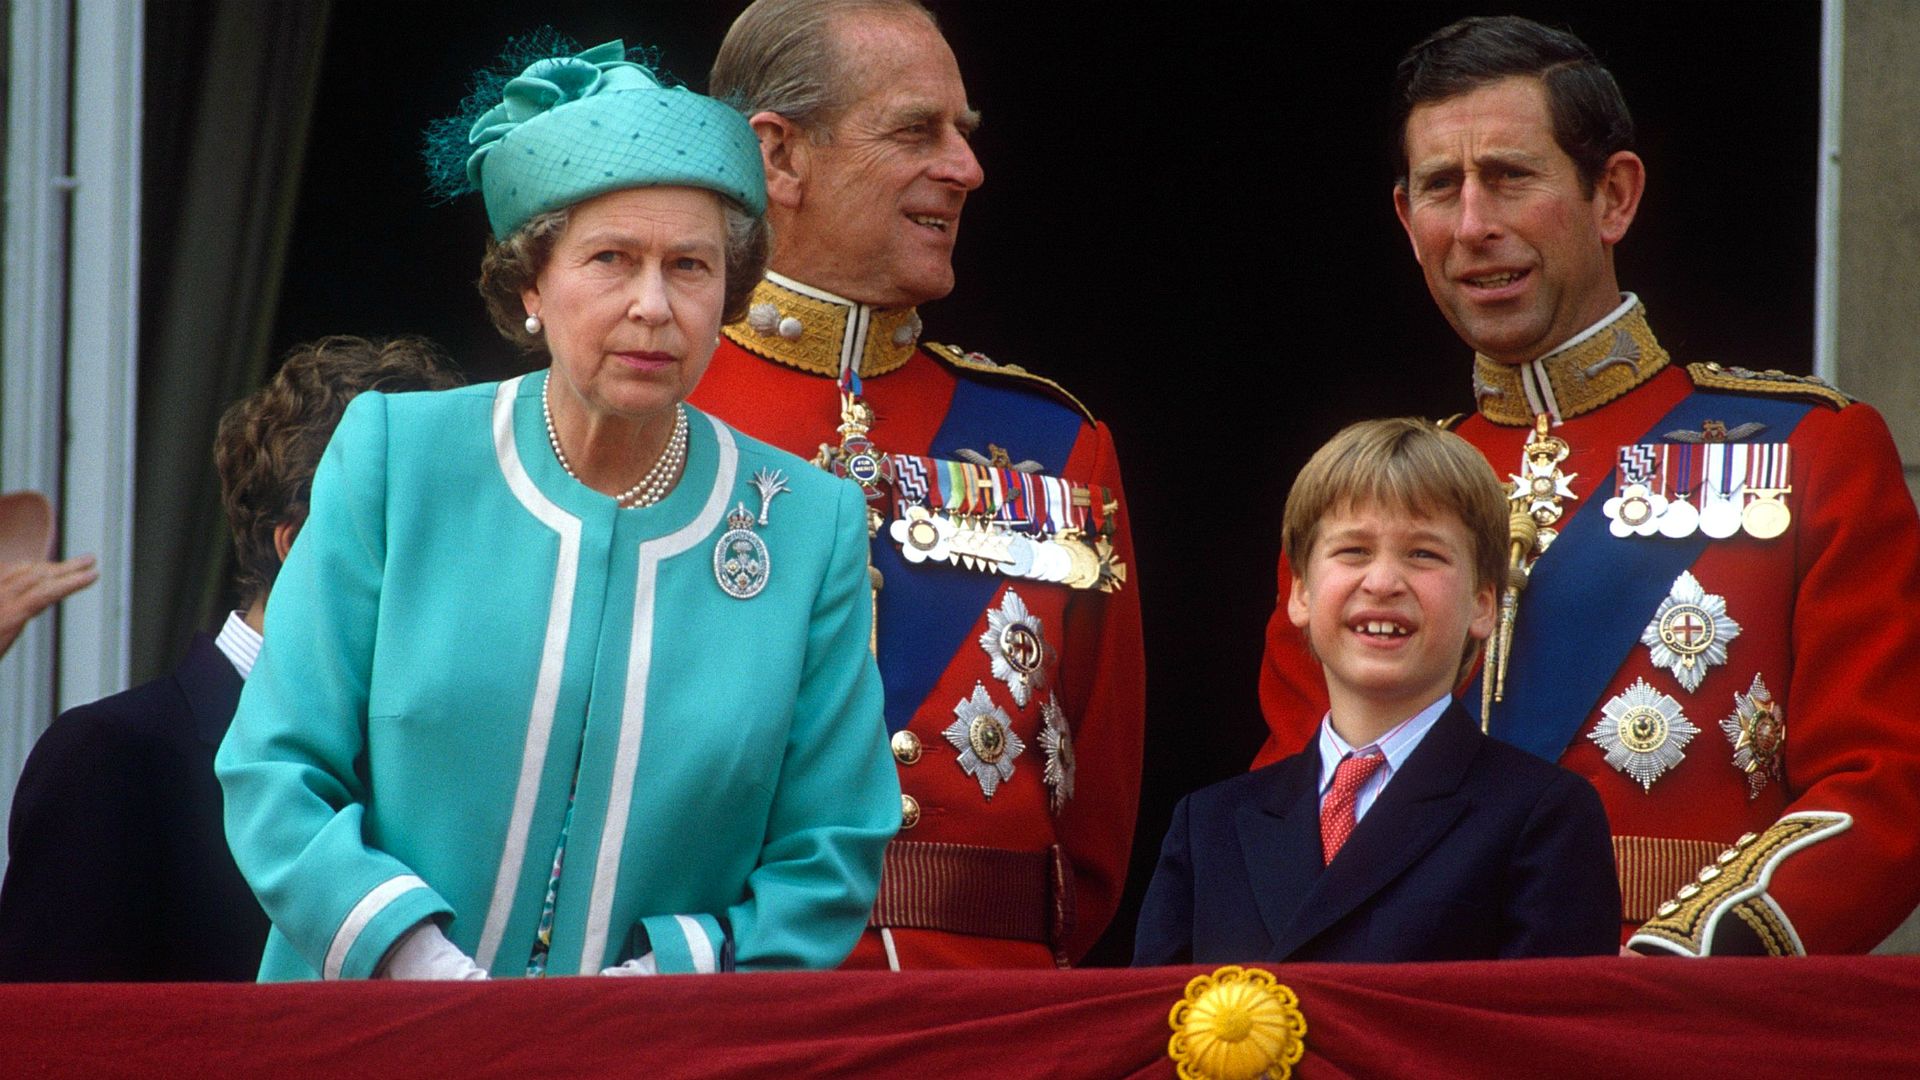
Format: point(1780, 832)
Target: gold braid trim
point(1611, 361)
point(1768, 925)
point(823, 331)
point(1777, 383)
point(1652, 868)
point(978, 363)
point(1737, 882)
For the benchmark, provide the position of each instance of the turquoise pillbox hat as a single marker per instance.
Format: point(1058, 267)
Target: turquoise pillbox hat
point(572, 127)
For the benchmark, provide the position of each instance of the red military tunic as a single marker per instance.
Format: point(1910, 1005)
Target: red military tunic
point(1821, 855)
point(971, 881)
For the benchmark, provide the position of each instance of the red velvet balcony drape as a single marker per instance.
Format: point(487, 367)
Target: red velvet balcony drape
point(1753, 1019)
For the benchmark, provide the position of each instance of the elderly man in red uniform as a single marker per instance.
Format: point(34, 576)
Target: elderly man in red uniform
point(1007, 631)
point(1716, 593)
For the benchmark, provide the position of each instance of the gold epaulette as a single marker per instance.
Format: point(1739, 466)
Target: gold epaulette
point(1734, 885)
point(1451, 422)
point(978, 364)
point(1746, 380)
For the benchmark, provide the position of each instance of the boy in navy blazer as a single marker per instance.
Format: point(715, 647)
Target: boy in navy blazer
point(1402, 832)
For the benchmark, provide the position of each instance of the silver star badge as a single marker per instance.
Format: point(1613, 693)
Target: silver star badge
point(1643, 733)
point(1758, 731)
point(1689, 632)
point(984, 736)
point(1056, 738)
point(1017, 647)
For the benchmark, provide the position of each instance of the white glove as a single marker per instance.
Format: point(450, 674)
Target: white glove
point(425, 953)
point(643, 965)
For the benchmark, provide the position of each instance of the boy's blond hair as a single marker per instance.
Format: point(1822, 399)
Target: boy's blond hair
point(1404, 465)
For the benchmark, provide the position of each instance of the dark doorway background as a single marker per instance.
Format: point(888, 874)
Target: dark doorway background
point(1186, 221)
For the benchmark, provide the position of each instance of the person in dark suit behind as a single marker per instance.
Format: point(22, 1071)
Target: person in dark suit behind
point(118, 865)
point(1402, 832)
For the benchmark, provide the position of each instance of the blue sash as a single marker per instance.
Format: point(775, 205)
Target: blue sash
point(1591, 595)
point(928, 611)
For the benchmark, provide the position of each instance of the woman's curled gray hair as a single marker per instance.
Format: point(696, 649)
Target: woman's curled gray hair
point(511, 266)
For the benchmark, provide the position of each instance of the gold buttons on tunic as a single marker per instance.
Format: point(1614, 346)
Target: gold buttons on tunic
point(906, 747)
point(909, 811)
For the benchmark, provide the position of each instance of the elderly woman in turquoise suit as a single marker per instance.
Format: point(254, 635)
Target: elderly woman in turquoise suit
point(562, 676)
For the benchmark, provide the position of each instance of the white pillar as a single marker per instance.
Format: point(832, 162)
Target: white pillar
point(32, 364)
point(1869, 311)
point(103, 336)
point(71, 329)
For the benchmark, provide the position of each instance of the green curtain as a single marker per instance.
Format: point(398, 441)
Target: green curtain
point(230, 88)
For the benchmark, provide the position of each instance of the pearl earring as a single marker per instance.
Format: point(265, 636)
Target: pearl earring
point(534, 325)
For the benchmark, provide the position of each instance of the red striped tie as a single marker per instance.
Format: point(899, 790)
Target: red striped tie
point(1336, 814)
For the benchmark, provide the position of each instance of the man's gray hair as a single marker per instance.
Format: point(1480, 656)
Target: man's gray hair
point(780, 56)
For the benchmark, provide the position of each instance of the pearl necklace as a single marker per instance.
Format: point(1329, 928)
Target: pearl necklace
point(659, 480)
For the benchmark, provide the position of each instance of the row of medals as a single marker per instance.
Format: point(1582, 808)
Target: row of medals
point(981, 544)
point(976, 542)
point(1725, 508)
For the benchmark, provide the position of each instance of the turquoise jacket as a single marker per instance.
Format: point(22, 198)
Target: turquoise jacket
point(461, 623)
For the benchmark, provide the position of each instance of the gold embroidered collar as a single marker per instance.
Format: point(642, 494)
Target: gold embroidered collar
point(811, 329)
point(1612, 357)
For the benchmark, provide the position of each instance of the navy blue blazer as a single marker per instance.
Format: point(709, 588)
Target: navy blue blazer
point(118, 867)
point(1474, 850)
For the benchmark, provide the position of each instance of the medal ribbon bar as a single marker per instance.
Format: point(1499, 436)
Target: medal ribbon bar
point(990, 507)
point(1720, 489)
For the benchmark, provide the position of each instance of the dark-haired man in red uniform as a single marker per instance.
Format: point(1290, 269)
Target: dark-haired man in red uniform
point(1723, 601)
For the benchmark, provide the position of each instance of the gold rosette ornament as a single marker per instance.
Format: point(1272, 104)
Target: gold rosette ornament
point(1236, 1024)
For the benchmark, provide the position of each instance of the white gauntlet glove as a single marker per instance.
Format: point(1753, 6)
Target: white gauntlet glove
point(643, 965)
point(425, 953)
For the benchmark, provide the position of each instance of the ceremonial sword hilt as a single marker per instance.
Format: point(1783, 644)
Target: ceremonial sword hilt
point(1522, 532)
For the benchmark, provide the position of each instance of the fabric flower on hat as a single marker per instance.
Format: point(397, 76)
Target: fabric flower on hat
point(550, 83)
point(563, 125)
